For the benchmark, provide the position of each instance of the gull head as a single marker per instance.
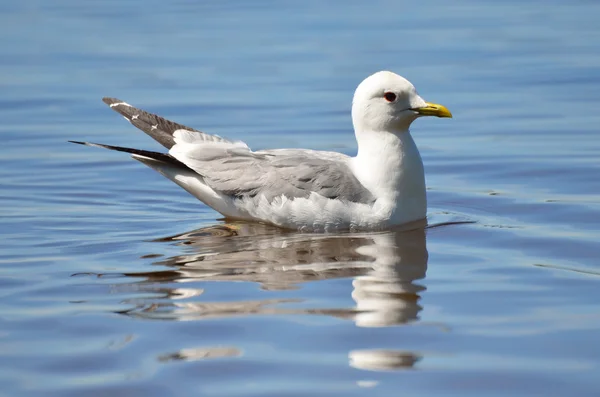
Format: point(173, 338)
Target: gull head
point(388, 102)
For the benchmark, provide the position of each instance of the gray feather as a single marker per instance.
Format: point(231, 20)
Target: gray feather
point(233, 169)
point(238, 172)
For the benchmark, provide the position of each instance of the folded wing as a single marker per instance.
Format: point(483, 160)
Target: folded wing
point(158, 128)
point(215, 169)
point(233, 169)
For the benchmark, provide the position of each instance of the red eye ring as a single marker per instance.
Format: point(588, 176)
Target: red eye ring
point(389, 96)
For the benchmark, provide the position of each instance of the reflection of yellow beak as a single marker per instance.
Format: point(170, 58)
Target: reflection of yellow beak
point(433, 109)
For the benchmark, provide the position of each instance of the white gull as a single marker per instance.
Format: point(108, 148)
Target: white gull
point(308, 190)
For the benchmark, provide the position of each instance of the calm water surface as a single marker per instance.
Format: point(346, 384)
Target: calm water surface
point(114, 280)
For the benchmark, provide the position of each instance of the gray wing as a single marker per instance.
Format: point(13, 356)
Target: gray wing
point(235, 170)
point(158, 128)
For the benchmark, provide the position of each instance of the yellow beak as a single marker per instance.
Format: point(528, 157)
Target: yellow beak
point(433, 109)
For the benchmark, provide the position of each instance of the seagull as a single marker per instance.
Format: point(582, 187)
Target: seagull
point(307, 190)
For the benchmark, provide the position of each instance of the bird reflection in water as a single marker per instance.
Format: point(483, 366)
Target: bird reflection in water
point(385, 268)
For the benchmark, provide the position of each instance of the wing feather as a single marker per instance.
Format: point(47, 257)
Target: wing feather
point(158, 128)
point(233, 169)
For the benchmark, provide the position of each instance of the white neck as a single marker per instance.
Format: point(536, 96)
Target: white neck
point(390, 166)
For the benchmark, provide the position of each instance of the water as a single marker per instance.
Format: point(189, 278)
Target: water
point(113, 280)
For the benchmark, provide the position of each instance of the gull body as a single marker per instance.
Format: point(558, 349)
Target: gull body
point(381, 187)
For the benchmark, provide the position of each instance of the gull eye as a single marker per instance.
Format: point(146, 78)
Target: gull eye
point(389, 96)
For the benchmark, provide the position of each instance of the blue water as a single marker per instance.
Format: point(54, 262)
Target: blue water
point(115, 281)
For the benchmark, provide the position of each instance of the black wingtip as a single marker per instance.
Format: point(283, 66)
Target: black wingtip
point(91, 144)
point(164, 157)
point(109, 101)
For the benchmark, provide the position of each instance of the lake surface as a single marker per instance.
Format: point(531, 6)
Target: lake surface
point(113, 281)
